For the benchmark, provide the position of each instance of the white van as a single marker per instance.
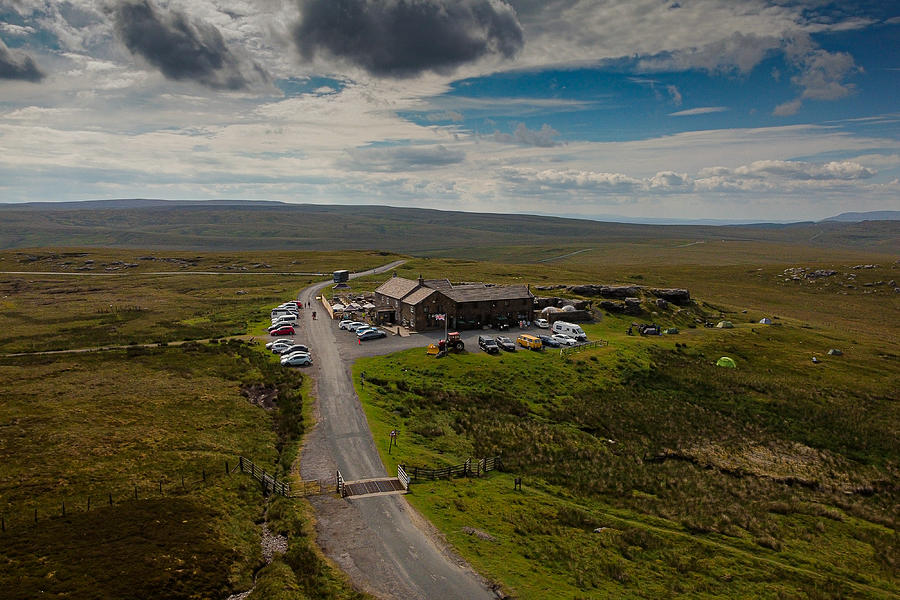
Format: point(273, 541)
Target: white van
point(277, 312)
point(285, 319)
point(569, 329)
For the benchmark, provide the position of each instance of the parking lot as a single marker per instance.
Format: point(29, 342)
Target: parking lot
point(351, 349)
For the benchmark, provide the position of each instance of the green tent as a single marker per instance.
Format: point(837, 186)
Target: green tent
point(725, 325)
point(726, 362)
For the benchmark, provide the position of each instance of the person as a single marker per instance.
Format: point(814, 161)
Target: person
point(314, 315)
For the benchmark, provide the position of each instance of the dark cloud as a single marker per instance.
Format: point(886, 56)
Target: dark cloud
point(403, 38)
point(182, 49)
point(15, 64)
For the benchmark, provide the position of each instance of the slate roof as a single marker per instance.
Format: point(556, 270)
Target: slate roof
point(497, 292)
point(397, 287)
point(419, 295)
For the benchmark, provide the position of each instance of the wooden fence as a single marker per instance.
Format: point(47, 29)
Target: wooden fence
point(472, 467)
point(566, 350)
point(269, 482)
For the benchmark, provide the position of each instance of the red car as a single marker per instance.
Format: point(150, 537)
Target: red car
point(286, 330)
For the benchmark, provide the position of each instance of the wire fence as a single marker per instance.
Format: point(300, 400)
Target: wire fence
point(42, 507)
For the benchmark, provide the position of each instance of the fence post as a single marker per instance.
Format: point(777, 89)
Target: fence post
point(64, 508)
point(135, 492)
point(3, 522)
point(110, 499)
point(35, 515)
point(89, 503)
point(204, 475)
point(227, 472)
point(241, 463)
point(160, 487)
point(182, 482)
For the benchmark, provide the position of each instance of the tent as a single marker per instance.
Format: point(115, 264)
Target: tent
point(726, 362)
point(672, 330)
point(835, 352)
point(725, 325)
point(765, 321)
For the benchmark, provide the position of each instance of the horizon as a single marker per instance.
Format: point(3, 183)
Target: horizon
point(602, 218)
point(764, 111)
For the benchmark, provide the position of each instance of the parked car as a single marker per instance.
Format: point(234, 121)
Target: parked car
point(488, 344)
point(279, 345)
point(505, 343)
point(355, 325)
point(570, 329)
point(285, 318)
point(346, 323)
point(297, 360)
point(371, 334)
point(529, 341)
point(548, 342)
point(564, 340)
point(542, 323)
point(283, 330)
point(285, 350)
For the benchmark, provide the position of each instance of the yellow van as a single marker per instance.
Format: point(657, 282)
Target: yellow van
point(529, 341)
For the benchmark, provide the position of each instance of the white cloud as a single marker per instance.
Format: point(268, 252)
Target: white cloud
point(701, 110)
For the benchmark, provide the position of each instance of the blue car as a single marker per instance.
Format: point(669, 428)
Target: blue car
point(548, 341)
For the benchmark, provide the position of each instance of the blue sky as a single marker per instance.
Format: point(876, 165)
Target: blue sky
point(770, 110)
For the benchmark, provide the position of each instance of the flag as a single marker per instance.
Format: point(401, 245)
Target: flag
point(439, 317)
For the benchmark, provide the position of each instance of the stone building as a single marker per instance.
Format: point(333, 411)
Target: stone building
point(416, 303)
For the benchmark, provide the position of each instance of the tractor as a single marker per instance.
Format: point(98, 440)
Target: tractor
point(453, 343)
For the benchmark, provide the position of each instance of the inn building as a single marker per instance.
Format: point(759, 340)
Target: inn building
point(416, 303)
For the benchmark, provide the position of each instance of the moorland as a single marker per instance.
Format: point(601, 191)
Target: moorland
point(647, 471)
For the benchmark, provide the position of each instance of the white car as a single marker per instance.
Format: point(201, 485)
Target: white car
point(348, 324)
point(542, 323)
point(564, 340)
point(356, 326)
point(297, 360)
point(279, 342)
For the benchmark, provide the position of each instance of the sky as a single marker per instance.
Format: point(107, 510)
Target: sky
point(772, 110)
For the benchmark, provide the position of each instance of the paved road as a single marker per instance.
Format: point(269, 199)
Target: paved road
point(383, 544)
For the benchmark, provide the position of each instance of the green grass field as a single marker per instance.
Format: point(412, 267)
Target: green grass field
point(776, 479)
point(113, 463)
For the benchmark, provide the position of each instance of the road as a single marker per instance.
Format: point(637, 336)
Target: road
point(381, 542)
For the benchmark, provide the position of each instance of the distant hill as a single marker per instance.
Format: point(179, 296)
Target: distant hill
point(119, 203)
point(875, 215)
point(249, 225)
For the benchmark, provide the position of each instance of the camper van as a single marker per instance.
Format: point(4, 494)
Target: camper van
point(569, 329)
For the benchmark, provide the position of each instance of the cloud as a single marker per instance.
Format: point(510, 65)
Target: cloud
point(447, 115)
point(739, 52)
point(15, 64)
point(183, 49)
point(405, 38)
point(766, 173)
point(701, 110)
point(788, 108)
point(674, 94)
point(543, 137)
point(409, 158)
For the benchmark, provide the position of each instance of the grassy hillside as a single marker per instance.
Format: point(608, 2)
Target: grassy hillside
point(777, 479)
point(112, 463)
point(406, 230)
point(89, 298)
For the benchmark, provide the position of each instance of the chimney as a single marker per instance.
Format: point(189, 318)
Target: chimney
point(421, 279)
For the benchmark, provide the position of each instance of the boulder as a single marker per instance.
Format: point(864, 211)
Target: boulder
point(613, 307)
point(679, 296)
point(662, 303)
